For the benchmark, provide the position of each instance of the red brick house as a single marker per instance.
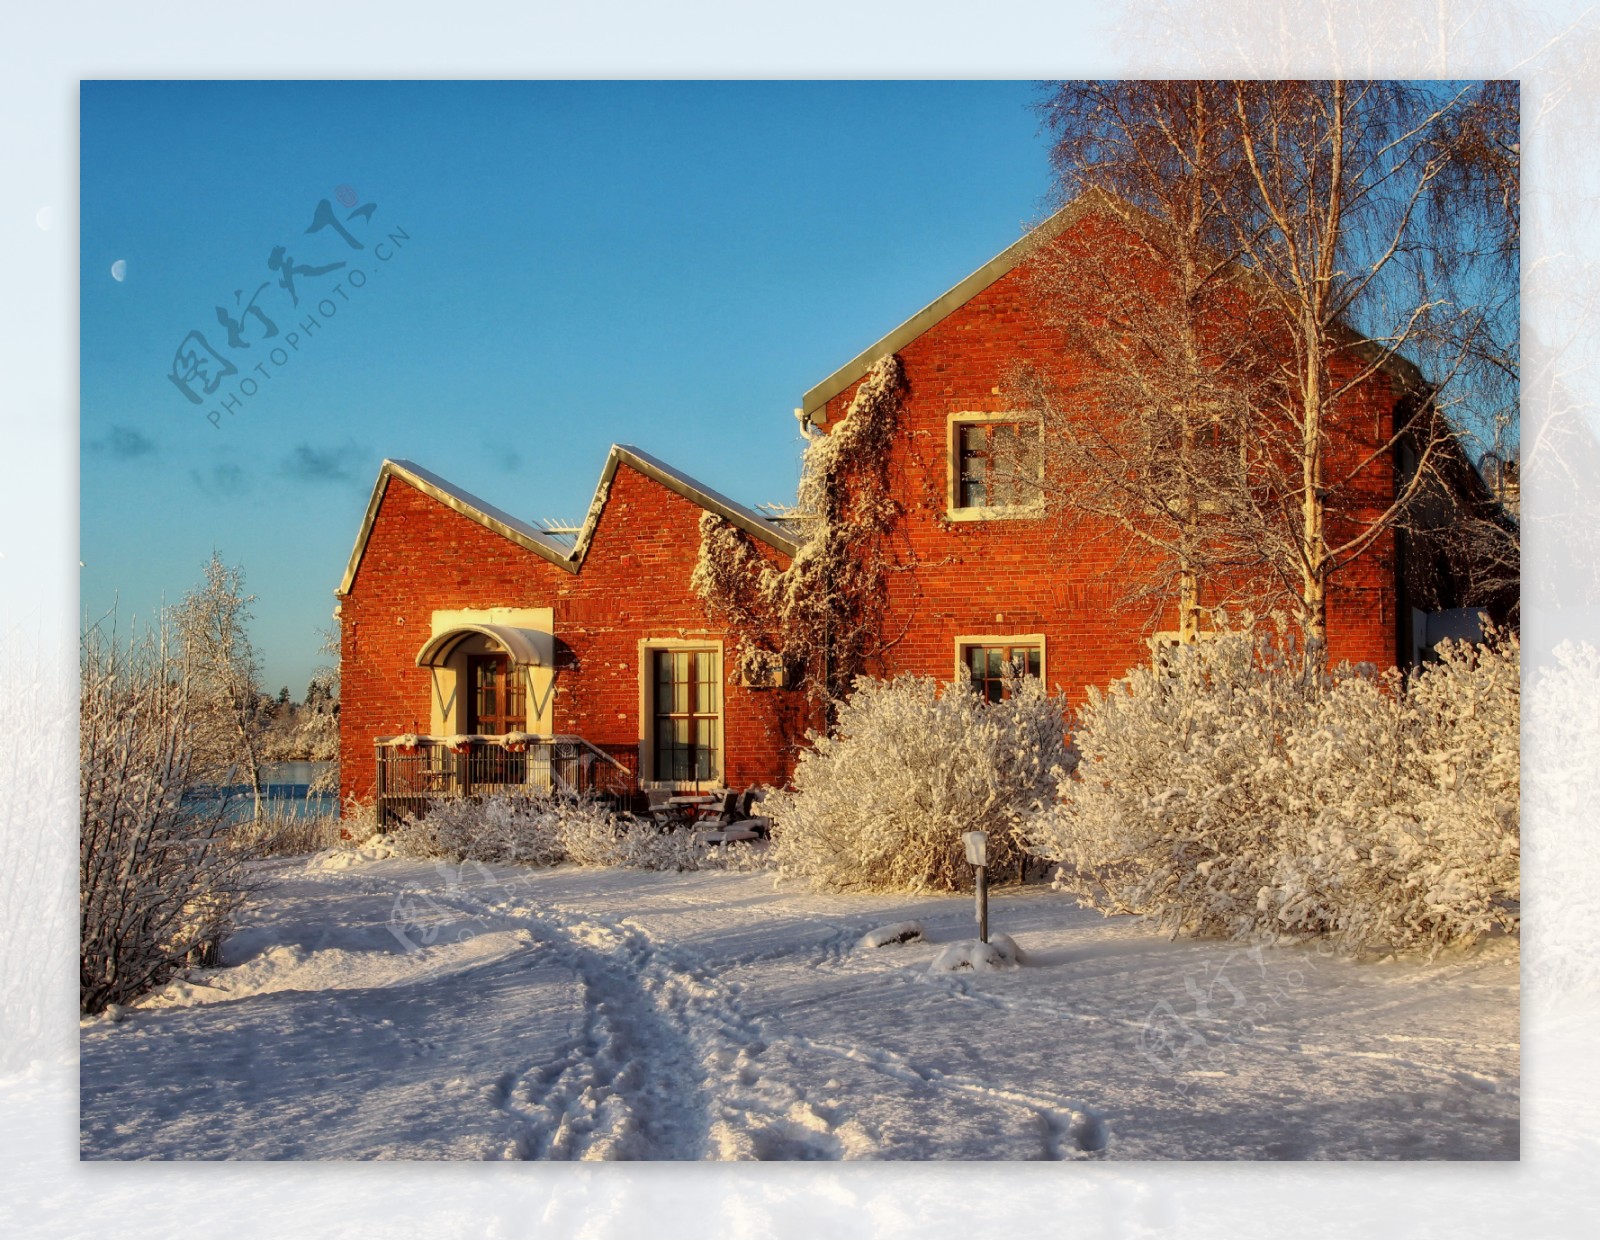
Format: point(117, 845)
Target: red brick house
point(457, 618)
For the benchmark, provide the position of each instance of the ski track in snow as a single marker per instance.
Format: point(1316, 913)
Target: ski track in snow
point(668, 1055)
point(616, 1091)
point(620, 1090)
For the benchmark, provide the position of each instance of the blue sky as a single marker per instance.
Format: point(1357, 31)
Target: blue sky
point(668, 264)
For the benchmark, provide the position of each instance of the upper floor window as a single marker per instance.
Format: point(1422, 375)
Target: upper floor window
point(994, 466)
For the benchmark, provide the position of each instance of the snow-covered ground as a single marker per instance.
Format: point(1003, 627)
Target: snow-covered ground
point(401, 1009)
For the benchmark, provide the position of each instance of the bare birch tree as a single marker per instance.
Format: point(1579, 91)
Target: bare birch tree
point(1294, 242)
point(1144, 438)
point(1356, 220)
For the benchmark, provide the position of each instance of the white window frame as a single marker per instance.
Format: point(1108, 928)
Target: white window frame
point(952, 492)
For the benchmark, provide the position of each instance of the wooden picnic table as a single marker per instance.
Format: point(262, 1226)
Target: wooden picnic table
point(684, 807)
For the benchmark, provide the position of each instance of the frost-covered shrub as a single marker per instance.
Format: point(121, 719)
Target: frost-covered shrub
point(506, 829)
point(1165, 812)
point(159, 882)
point(281, 833)
point(1227, 793)
point(605, 840)
point(1401, 823)
point(536, 830)
point(881, 803)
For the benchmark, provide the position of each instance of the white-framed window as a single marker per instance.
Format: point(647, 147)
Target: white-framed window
point(680, 715)
point(994, 467)
point(985, 661)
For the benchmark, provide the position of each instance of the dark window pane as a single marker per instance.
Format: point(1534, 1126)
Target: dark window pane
point(686, 708)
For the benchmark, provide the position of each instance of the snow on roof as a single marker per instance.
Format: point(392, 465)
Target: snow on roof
point(749, 520)
point(1091, 201)
point(458, 498)
point(527, 535)
point(952, 300)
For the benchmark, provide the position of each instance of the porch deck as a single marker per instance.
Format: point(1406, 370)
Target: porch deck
point(415, 771)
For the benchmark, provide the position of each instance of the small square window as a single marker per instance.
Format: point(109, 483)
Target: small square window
point(994, 467)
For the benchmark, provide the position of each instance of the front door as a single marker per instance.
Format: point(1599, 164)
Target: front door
point(496, 703)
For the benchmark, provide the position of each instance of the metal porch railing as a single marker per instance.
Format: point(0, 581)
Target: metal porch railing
point(410, 777)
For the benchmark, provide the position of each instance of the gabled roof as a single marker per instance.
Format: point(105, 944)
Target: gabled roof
point(731, 511)
point(943, 306)
point(1091, 201)
point(531, 538)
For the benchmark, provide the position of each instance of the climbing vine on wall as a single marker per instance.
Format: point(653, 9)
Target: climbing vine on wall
point(820, 620)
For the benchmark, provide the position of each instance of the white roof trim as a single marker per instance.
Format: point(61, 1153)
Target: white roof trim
point(1401, 370)
point(951, 300)
point(464, 502)
point(747, 519)
point(528, 536)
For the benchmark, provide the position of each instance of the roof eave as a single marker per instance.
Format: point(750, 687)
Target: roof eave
point(1401, 371)
point(691, 489)
point(952, 300)
point(571, 561)
point(470, 507)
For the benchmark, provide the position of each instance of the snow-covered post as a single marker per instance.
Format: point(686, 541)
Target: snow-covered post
point(978, 854)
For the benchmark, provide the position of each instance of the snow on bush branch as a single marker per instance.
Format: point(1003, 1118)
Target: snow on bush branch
point(881, 803)
point(822, 615)
point(1226, 793)
point(537, 830)
point(158, 879)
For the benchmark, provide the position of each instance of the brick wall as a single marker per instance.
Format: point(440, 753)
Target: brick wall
point(422, 556)
point(1031, 575)
point(1009, 577)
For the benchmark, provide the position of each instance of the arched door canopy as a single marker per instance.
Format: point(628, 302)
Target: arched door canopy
point(523, 645)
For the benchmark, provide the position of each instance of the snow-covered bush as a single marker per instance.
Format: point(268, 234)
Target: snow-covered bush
point(1401, 823)
point(523, 830)
point(1228, 793)
point(158, 880)
point(537, 830)
point(281, 833)
point(1170, 789)
point(607, 840)
point(882, 802)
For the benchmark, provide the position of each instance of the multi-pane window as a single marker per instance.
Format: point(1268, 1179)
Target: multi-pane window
point(495, 703)
point(997, 464)
point(988, 666)
point(686, 713)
